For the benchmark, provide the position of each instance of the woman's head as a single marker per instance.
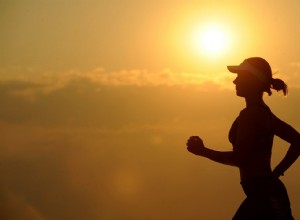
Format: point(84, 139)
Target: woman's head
point(255, 76)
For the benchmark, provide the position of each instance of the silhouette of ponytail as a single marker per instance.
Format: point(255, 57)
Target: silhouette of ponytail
point(278, 85)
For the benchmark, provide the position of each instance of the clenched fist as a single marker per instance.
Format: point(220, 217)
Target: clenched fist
point(195, 145)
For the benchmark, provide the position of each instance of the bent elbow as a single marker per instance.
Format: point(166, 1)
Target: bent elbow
point(295, 146)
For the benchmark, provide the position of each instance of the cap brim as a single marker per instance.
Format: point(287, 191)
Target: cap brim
point(234, 69)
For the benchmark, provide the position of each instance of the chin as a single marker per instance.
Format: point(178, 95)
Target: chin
point(239, 94)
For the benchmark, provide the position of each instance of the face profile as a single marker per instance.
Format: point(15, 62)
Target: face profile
point(247, 85)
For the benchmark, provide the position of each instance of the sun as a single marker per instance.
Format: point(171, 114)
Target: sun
point(210, 40)
point(213, 40)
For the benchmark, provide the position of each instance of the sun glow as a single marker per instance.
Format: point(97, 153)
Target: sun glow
point(210, 40)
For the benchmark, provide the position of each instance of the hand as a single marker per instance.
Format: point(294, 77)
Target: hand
point(195, 145)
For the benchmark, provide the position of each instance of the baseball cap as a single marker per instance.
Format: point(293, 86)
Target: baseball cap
point(257, 66)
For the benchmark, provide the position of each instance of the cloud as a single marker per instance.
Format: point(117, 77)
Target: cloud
point(35, 81)
point(145, 78)
point(40, 81)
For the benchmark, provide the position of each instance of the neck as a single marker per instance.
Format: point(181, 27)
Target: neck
point(254, 100)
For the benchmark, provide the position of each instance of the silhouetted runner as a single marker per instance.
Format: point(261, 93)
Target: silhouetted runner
point(251, 135)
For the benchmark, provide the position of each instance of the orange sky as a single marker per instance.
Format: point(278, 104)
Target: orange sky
point(99, 97)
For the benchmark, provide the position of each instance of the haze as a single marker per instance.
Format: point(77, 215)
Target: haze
point(98, 99)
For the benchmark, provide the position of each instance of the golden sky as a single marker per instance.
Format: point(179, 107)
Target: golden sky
point(99, 97)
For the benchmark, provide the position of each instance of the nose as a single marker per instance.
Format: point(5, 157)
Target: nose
point(234, 81)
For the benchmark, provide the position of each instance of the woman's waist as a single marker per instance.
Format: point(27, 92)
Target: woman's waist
point(245, 179)
point(263, 186)
point(255, 170)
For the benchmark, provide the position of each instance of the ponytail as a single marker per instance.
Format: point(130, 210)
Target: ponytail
point(278, 85)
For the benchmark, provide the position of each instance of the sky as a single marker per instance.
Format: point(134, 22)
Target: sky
point(98, 99)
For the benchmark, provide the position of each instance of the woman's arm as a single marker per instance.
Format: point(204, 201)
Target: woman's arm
point(196, 146)
point(289, 134)
point(290, 157)
point(249, 123)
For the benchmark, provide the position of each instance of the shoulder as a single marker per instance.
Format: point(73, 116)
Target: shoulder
point(255, 113)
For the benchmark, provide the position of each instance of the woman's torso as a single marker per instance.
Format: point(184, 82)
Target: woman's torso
point(257, 161)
